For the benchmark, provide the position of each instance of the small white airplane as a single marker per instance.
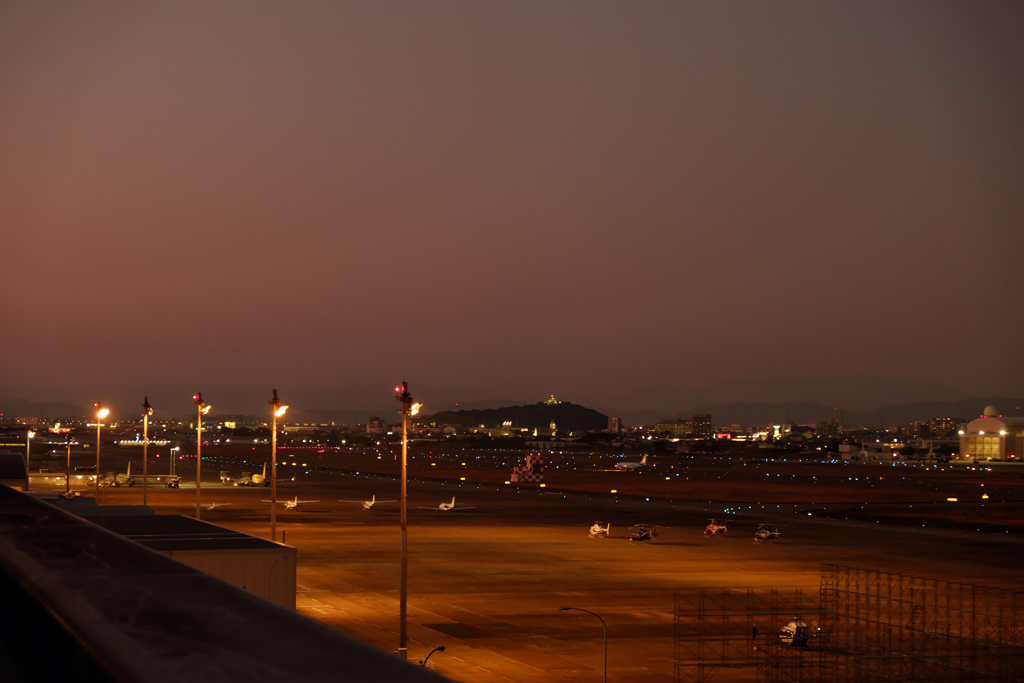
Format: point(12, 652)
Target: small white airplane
point(214, 506)
point(632, 465)
point(368, 504)
point(292, 504)
point(446, 507)
point(598, 531)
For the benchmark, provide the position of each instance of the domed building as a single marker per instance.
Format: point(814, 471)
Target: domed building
point(993, 437)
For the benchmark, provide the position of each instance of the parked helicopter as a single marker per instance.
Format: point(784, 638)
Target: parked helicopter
point(643, 533)
point(795, 633)
point(598, 531)
point(765, 532)
point(717, 526)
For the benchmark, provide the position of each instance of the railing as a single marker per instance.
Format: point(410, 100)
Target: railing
point(83, 604)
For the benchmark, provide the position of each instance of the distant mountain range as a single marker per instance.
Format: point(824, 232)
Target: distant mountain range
point(805, 412)
point(21, 408)
point(860, 392)
point(568, 417)
point(862, 399)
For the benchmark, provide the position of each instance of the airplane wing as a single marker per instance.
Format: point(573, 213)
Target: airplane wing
point(300, 502)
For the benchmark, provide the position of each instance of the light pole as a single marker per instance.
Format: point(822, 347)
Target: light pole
point(29, 435)
point(277, 410)
point(201, 409)
point(439, 648)
point(101, 413)
point(146, 412)
point(603, 626)
point(67, 471)
point(408, 408)
point(170, 454)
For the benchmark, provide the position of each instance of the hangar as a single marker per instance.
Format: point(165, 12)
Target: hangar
point(993, 437)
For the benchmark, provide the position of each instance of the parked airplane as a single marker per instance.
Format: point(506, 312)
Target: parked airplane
point(249, 479)
point(214, 506)
point(125, 479)
point(292, 504)
point(598, 531)
point(368, 504)
point(632, 465)
point(445, 507)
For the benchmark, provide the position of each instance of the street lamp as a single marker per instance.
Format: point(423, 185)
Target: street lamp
point(201, 409)
point(101, 413)
point(408, 408)
point(29, 435)
point(146, 412)
point(603, 626)
point(67, 471)
point(277, 410)
point(439, 648)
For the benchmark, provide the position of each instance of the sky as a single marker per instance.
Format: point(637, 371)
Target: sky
point(518, 199)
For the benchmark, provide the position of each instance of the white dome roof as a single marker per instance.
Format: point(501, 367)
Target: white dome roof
point(991, 411)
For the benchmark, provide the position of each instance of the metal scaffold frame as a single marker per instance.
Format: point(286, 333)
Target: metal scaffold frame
point(866, 626)
point(894, 627)
point(722, 629)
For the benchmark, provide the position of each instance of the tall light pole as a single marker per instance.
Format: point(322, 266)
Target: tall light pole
point(67, 472)
point(146, 412)
point(29, 435)
point(603, 626)
point(408, 408)
point(201, 409)
point(101, 413)
point(277, 410)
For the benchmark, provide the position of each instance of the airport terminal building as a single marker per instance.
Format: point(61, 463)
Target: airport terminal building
point(992, 437)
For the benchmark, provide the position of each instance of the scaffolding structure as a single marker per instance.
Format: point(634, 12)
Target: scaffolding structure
point(719, 629)
point(864, 626)
point(894, 627)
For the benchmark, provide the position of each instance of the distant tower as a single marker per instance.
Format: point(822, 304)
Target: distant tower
point(553, 428)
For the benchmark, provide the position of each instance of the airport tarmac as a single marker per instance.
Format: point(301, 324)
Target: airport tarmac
point(487, 582)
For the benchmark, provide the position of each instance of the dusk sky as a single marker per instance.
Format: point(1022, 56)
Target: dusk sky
point(519, 198)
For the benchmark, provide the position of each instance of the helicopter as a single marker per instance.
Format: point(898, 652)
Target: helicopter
point(717, 526)
point(643, 532)
point(795, 633)
point(598, 531)
point(765, 532)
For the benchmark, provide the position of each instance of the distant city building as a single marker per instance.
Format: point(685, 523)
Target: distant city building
point(945, 426)
point(993, 436)
point(701, 426)
point(376, 426)
point(830, 428)
point(680, 428)
point(614, 425)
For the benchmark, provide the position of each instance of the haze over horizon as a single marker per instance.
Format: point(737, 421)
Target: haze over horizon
point(627, 205)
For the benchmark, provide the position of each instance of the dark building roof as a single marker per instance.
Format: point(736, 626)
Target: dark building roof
point(176, 532)
point(90, 511)
point(12, 466)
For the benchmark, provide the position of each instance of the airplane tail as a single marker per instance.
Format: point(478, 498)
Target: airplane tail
point(453, 501)
point(643, 460)
point(374, 498)
point(129, 468)
point(264, 470)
